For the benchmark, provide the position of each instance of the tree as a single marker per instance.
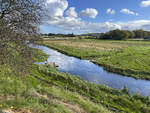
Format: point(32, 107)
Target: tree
point(116, 35)
point(139, 33)
point(105, 36)
point(51, 34)
point(70, 35)
point(130, 33)
point(19, 20)
point(119, 34)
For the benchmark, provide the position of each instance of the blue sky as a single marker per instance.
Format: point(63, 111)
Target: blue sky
point(86, 16)
point(103, 5)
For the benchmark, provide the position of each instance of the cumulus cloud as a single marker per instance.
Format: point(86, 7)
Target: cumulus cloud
point(71, 12)
point(56, 7)
point(77, 25)
point(72, 23)
point(145, 3)
point(127, 11)
point(89, 12)
point(110, 11)
point(67, 23)
point(138, 24)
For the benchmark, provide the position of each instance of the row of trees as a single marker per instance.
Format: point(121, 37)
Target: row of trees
point(59, 35)
point(124, 34)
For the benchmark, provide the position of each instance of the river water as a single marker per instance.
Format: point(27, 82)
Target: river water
point(92, 73)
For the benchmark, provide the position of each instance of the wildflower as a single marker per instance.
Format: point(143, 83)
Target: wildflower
point(12, 107)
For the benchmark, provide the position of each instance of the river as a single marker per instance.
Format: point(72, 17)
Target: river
point(92, 73)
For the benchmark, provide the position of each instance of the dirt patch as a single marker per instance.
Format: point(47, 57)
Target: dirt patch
point(72, 108)
point(21, 111)
point(34, 93)
point(9, 97)
point(16, 110)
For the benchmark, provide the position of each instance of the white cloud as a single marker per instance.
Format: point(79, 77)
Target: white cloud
point(77, 25)
point(67, 23)
point(89, 12)
point(72, 23)
point(110, 11)
point(145, 3)
point(56, 7)
point(127, 11)
point(138, 24)
point(71, 12)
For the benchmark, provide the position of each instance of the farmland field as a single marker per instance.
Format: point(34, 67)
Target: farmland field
point(129, 58)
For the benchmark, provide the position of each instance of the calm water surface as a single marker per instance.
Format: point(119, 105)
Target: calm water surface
point(92, 73)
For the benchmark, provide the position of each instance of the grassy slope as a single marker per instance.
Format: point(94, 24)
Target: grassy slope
point(31, 94)
point(130, 58)
point(114, 100)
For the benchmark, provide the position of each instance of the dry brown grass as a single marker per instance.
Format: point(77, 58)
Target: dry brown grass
point(70, 107)
point(91, 45)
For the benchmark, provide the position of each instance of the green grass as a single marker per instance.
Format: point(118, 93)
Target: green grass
point(29, 93)
point(132, 61)
point(129, 58)
point(39, 56)
point(112, 99)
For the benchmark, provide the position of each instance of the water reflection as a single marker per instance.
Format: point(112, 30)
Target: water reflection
point(93, 73)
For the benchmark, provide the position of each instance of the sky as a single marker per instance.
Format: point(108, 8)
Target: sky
point(95, 16)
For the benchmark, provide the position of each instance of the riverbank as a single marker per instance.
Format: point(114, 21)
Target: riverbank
point(34, 93)
point(129, 58)
point(47, 90)
point(113, 100)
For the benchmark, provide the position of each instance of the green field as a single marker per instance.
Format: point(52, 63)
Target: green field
point(129, 58)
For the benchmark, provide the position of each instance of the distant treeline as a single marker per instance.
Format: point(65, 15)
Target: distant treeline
point(111, 35)
point(59, 35)
point(124, 34)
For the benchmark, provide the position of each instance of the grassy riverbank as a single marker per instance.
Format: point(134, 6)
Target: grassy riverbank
point(111, 99)
point(129, 58)
point(33, 93)
point(45, 90)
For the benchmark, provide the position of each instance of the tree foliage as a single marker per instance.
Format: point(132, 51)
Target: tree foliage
point(19, 20)
point(141, 33)
point(116, 35)
point(59, 35)
point(124, 34)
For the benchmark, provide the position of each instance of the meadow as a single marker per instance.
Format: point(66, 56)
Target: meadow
point(129, 58)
